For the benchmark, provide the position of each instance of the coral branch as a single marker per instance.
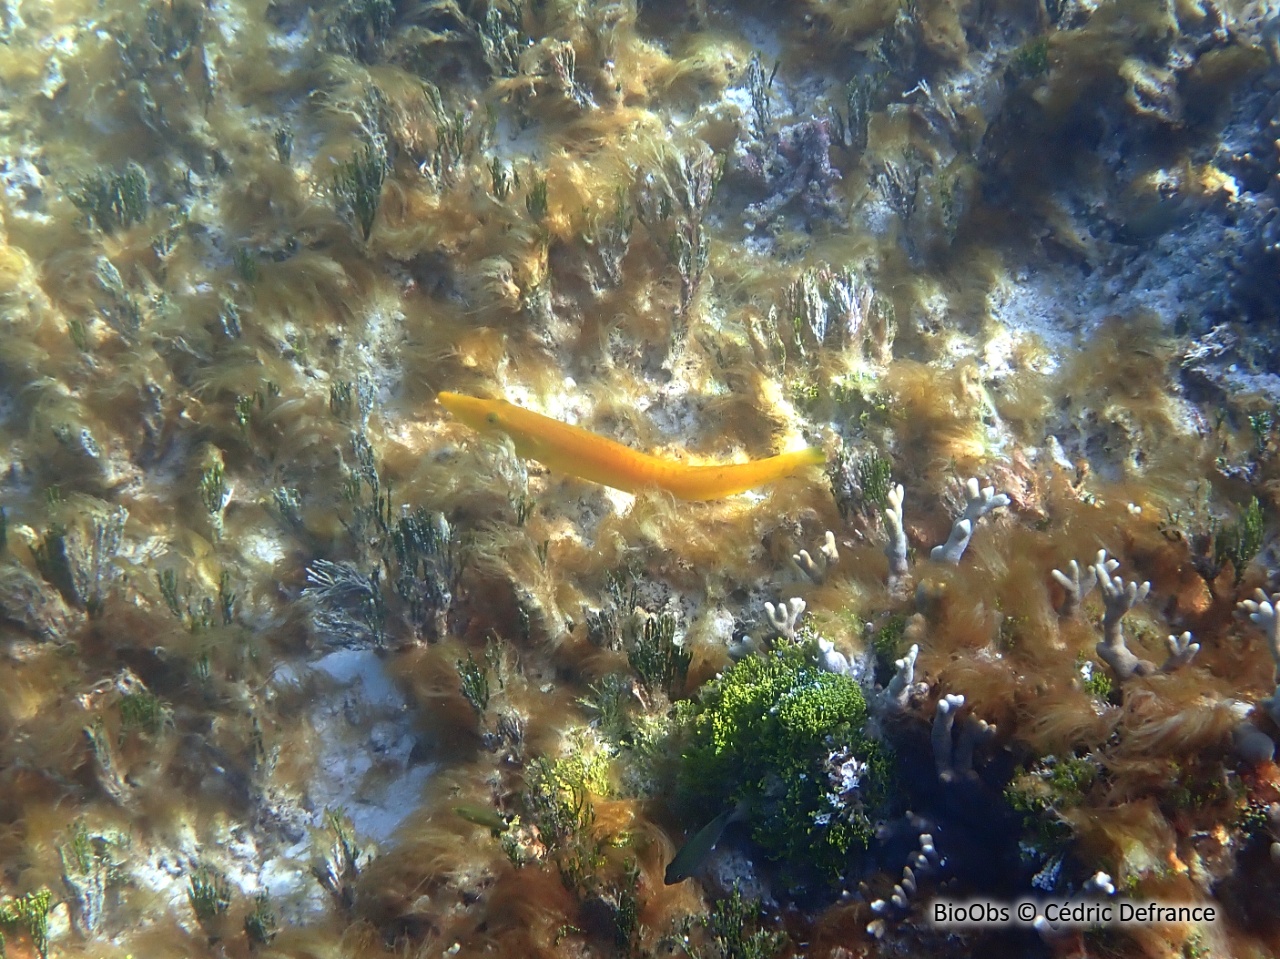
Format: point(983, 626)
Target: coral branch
point(783, 618)
point(833, 661)
point(898, 693)
point(817, 568)
point(1262, 612)
point(1078, 583)
point(1119, 597)
point(955, 761)
point(897, 548)
point(956, 544)
point(979, 501)
point(943, 721)
point(1181, 651)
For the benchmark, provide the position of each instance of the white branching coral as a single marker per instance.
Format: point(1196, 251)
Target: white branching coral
point(924, 861)
point(895, 697)
point(979, 501)
point(1079, 583)
point(832, 660)
point(1119, 597)
point(956, 544)
point(944, 720)
point(1250, 742)
point(784, 618)
point(896, 549)
point(1181, 651)
point(817, 567)
point(955, 761)
point(1262, 612)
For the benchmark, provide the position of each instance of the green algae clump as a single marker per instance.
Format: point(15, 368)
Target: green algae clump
point(785, 738)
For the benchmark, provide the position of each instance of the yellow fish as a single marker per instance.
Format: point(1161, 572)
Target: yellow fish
point(577, 452)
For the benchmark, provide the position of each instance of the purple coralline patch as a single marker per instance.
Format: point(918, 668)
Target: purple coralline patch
point(794, 165)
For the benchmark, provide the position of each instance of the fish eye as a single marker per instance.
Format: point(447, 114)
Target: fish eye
point(492, 419)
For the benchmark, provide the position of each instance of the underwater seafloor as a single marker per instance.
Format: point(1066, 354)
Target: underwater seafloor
point(293, 663)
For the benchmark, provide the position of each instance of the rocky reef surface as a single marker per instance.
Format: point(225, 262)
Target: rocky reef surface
point(294, 663)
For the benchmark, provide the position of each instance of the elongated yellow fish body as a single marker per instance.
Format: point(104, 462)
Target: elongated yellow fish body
point(577, 452)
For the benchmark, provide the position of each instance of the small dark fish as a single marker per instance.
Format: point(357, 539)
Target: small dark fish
point(695, 852)
point(491, 819)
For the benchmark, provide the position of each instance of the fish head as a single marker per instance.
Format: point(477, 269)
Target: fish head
point(483, 416)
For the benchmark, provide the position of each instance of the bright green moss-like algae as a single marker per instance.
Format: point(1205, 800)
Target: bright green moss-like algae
point(764, 734)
